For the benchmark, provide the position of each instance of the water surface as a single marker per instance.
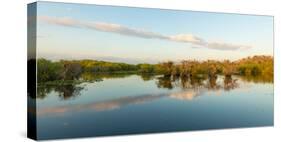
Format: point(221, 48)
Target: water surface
point(127, 104)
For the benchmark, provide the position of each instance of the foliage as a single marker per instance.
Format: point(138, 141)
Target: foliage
point(145, 68)
point(257, 65)
point(102, 66)
point(80, 69)
point(72, 70)
point(48, 71)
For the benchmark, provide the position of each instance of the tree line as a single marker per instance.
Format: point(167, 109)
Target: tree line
point(48, 70)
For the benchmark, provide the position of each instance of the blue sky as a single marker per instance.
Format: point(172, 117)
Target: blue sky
point(135, 35)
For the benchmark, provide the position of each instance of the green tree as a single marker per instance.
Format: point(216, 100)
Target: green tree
point(72, 70)
point(146, 68)
point(48, 71)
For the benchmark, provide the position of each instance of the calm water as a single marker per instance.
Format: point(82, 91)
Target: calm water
point(126, 104)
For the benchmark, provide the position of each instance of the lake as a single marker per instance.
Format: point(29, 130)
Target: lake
point(134, 104)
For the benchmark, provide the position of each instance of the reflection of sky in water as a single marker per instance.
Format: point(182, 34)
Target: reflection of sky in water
point(131, 105)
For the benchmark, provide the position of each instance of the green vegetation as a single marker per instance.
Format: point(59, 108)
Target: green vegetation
point(145, 68)
point(257, 65)
point(105, 67)
point(49, 71)
point(76, 71)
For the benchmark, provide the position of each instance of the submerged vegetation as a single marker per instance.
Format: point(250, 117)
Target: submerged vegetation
point(74, 71)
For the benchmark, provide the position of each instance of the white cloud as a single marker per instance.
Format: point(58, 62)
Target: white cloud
point(226, 46)
point(127, 31)
point(64, 21)
point(187, 38)
point(115, 28)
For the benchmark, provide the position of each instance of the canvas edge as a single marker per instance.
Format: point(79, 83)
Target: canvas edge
point(31, 70)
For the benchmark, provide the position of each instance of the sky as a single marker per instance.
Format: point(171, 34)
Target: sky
point(142, 35)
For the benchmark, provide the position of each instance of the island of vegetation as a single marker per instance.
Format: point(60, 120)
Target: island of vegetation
point(71, 71)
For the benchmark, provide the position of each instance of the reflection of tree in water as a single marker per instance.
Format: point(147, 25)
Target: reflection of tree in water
point(42, 91)
point(146, 76)
point(164, 82)
point(230, 83)
point(212, 83)
point(190, 82)
point(196, 83)
point(183, 82)
point(209, 83)
point(68, 91)
point(65, 92)
point(266, 78)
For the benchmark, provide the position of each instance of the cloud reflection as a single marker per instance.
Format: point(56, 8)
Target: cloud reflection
point(102, 105)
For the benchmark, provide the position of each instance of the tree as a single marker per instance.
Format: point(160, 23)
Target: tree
point(228, 68)
point(71, 71)
point(145, 68)
point(48, 71)
point(167, 68)
point(185, 68)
